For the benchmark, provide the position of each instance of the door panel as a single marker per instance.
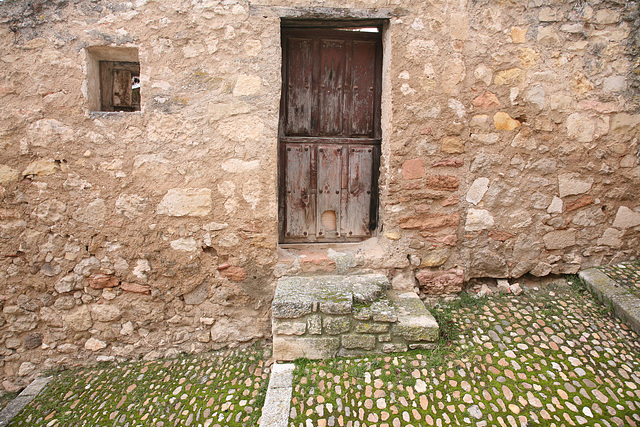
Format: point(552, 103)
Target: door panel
point(329, 188)
point(299, 90)
point(357, 220)
point(332, 71)
point(363, 90)
point(300, 198)
point(329, 135)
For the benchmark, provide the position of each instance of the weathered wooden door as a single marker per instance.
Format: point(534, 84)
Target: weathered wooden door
point(329, 137)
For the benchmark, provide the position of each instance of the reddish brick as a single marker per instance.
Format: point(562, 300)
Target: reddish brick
point(450, 240)
point(443, 182)
point(101, 281)
point(413, 169)
point(450, 201)
point(440, 282)
point(501, 236)
point(235, 274)
point(487, 101)
point(449, 163)
point(135, 288)
point(579, 203)
point(433, 221)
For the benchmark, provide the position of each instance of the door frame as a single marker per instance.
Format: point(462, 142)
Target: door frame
point(331, 27)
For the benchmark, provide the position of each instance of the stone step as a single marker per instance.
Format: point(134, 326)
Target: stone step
point(347, 315)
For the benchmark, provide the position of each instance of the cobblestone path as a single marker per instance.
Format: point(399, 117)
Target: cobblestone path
point(552, 357)
point(214, 389)
point(626, 274)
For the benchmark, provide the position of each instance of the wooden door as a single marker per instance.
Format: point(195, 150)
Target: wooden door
point(329, 136)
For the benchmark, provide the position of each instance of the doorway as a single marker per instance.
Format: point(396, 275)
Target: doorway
point(329, 134)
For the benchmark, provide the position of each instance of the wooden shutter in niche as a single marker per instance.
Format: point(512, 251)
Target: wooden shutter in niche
point(116, 86)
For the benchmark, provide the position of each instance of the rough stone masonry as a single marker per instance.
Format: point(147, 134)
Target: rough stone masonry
point(510, 146)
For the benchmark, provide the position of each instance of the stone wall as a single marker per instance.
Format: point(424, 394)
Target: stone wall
point(510, 146)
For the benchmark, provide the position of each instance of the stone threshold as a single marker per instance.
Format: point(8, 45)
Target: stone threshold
point(23, 399)
point(626, 306)
point(321, 317)
point(277, 402)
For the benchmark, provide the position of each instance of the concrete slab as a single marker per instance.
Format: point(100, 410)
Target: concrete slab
point(23, 399)
point(275, 412)
point(625, 305)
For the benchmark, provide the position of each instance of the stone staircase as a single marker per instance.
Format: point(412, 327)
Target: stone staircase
point(347, 315)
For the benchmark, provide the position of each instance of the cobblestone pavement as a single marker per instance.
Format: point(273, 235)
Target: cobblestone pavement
point(626, 274)
point(214, 389)
point(551, 357)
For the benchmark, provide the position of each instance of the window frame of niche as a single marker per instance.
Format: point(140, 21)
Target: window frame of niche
point(113, 79)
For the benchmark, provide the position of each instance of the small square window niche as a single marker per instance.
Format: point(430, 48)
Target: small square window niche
point(113, 78)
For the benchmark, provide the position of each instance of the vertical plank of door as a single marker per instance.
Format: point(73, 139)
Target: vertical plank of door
point(299, 86)
point(358, 207)
point(122, 88)
point(106, 86)
point(300, 207)
point(331, 90)
point(363, 88)
point(329, 171)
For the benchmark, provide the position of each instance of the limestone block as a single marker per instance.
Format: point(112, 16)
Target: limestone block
point(50, 317)
point(7, 174)
point(435, 258)
point(607, 16)
point(364, 293)
point(440, 282)
point(242, 128)
point(197, 295)
point(626, 218)
point(314, 324)
point(371, 328)
point(104, 312)
point(580, 83)
point(452, 145)
point(503, 121)
point(484, 74)
point(186, 202)
point(415, 322)
point(612, 238)
point(623, 123)
point(288, 327)
point(570, 184)
point(541, 269)
point(94, 344)
point(580, 127)
point(477, 190)
point(518, 35)
point(336, 325)
point(628, 161)
point(459, 24)
point(42, 167)
point(290, 348)
point(548, 14)
point(79, 319)
point(185, 244)
point(537, 96)
point(559, 239)
point(555, 206)
point(394, 347)
point(614, 84)
point(478, 219)
point(547, 36)
point(359, 341)
point(423, 346)
point(247, 85)
point(528, 57)
point(509, 77)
